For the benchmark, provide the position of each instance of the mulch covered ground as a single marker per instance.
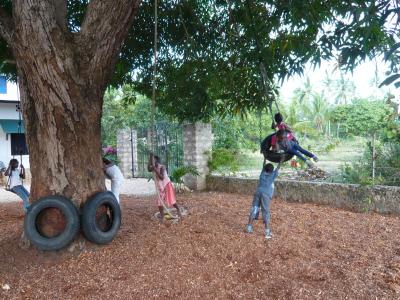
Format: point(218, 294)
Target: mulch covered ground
point(316, 252)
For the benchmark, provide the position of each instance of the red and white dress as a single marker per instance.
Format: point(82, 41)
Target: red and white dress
point(165, 188)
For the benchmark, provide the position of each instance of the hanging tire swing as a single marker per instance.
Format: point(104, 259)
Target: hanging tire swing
point(60, 239)
point(271, 155)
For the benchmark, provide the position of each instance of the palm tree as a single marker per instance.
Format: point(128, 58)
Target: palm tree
point(297, 120)
point(292, 116)
point(304, 94)
point(374, 83)
point(328, 83)
point(320, 111)
point(344, 89)
point(317, 111)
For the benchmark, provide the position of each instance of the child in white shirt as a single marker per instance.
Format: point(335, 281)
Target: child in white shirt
point(15, 183)
point(113, 173)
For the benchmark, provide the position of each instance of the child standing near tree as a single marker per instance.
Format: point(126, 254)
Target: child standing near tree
point(263, 197)
point(163, 183)
point(14, 183)
point(113, 173)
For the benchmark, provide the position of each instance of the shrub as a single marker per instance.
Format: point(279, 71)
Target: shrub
point(387, 166)
point(178, 173)
point(223, 161)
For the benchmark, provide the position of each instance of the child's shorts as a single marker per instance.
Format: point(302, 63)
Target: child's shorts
point(261, 199)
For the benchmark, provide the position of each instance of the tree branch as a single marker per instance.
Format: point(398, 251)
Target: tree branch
point(6, 26)
point(103, 31)
point(61, 12)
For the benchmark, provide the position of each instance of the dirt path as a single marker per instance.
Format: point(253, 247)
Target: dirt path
point(317, 253)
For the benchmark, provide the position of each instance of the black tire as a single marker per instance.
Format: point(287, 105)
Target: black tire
point(272, 155)
point(277, 157)
point(90, 227)
point(60, 241)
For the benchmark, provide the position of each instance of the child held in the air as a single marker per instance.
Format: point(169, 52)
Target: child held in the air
point(294, 148)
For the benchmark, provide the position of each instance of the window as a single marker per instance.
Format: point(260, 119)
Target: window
point(18, 144)
point(3, 85)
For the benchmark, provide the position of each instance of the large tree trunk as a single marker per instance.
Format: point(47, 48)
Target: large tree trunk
point(62, 78)
point(63, 137)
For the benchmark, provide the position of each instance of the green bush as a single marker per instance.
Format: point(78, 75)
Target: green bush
point(178, 173)
point(331, 145)
point(362, 117)
point(387, 166)
point(224, 161)
point(240, 133)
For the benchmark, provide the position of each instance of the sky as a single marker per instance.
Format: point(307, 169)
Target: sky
point(361, 77)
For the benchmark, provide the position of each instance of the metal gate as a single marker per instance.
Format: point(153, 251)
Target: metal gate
point(168, 145)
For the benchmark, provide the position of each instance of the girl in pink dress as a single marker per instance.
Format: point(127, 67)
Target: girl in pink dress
point(164, 185)
point(280, 125)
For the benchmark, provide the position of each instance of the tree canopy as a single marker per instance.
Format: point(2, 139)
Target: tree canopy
point(362, 116)
point(211, 51)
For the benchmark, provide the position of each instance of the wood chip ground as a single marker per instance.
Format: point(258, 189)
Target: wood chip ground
point(317, 252)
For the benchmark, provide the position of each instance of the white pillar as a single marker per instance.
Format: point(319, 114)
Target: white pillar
point(197, 143)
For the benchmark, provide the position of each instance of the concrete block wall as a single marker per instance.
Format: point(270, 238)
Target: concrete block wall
point(381, 199)
point(197, 142)
point(126, 145)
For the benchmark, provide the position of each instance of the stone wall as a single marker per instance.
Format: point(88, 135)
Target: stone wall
point(197, 141)
point(126, 145)
point(382, 199)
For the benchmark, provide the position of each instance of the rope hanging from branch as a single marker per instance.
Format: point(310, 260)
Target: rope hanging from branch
point(153, 131)
point(19, 125)
point(265, 81)
point(153, 98)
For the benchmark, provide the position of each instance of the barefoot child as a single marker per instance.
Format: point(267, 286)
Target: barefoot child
point(262, 197)
point(15, 183)
point(164, 185)
point(113, 173)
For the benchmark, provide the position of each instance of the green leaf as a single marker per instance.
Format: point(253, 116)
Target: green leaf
point(178, 174)
point(392, 50)
point(390, 79)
